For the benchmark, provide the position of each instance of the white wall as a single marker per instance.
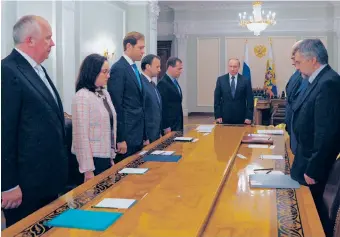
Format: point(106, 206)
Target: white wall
point(194, 21)
point(79, 28)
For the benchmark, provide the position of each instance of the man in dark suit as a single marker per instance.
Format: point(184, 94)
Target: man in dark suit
point(316, 119)
point(126, 91)
point(34, 161)
point(151, 66)
point(171, 93)
point(292, 91)
point(233, 97)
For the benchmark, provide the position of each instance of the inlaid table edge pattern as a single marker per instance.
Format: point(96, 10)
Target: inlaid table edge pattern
point(39, 228)
point(288, 214)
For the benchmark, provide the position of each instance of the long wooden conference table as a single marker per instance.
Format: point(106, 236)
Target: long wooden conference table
point(206, 193)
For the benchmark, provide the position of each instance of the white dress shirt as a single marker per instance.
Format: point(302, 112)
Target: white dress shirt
point(316, 73)
point(147, 77)
point(39, 70)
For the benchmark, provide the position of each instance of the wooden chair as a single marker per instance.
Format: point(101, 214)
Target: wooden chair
point(331, 197)
point(336, 232)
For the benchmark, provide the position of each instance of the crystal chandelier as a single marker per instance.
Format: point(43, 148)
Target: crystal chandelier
point(258, 21)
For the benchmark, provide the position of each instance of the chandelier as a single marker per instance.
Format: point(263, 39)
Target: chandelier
point(258, 21)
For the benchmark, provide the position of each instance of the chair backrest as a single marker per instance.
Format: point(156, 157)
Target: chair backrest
point(331, 195)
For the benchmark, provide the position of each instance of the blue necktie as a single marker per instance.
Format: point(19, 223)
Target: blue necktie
point(156, 91)
point(303, 86)
point(137, 75)
point(177, 85)
point(232, 85)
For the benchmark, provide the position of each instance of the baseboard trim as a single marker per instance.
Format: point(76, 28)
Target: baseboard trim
point(211, 114)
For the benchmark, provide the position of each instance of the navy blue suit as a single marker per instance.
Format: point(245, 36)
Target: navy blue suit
point(316, 124)
point(291, 89)
point(233, 110)
point(153, 110)
point(172, 112)
point(127, 98)
point(33, 153)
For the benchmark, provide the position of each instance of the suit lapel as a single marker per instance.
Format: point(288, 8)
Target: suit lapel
point(238, 84)
point(228, 88)
point(174, 87)
point(310, 88)
point(27, 71)
point(132, 74)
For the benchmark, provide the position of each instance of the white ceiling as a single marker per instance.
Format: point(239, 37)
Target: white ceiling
point(210, 5)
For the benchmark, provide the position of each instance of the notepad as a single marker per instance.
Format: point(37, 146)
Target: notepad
point(119, 203)
point(133, 171)
point(161, 158)
point(82, 219)
point(272, 181)
point(183, 139)
point(271, 157)
point(257, 146)
point(258, 135)
point(273, 132)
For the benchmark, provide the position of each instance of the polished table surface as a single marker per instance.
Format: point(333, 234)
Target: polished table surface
point(205, 194)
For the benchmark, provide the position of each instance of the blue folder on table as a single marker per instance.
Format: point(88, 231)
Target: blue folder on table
point(162, 158)
point(87, 220)
point(272, 181)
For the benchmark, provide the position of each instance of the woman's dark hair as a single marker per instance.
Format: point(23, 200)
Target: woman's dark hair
point(88, 72)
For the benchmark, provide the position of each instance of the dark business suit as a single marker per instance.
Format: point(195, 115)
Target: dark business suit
point(316, 123)
point(127, 98)
point(152, 109)
point(291, 89)
point(233, 110)
point(172, 112)
point(33, 153)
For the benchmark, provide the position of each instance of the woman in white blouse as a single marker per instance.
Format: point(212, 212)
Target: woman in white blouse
point(94, 119)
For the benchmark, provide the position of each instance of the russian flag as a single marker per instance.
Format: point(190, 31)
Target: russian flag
point(246, 69)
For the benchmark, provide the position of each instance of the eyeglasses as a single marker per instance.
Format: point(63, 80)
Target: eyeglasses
point(105, 71)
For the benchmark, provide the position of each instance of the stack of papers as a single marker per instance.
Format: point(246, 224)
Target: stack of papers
point(118, 203)
point(271, 157)
point(87, 220)
point(164, 153)
point(205, 128)
point(133, 171)
point(273, 132)
point(183, 139)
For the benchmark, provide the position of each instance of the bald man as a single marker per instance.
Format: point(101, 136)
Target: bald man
point(34, 162)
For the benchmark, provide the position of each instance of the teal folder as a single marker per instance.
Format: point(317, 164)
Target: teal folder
point(87, 220)
point(162, 158)
point(272, 181)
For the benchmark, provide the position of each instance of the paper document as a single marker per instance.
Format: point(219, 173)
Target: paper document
point(205, 128)
point(183, 139)
point(272, 172)
point(167, 153)
point(241, 156)
point(271, 157)
point(143, 152)
point(257, 146)
point(133, 171)
point(205, 134)
point(258, 135)
point(274, 132)
point(195, 140)
point(272, 181)
point(119, 203)
point(157, 152)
